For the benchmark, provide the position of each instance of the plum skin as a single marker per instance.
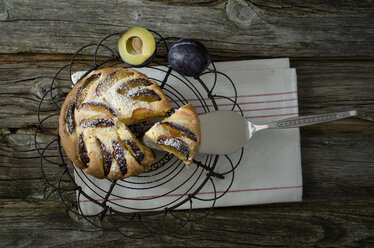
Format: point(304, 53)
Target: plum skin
point(145, 95)
point(176, 144)
point(179, 129)
point(189, 57)
point(70, 117)
point(135, 150)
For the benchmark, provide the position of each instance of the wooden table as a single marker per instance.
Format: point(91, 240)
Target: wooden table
point(330, 43)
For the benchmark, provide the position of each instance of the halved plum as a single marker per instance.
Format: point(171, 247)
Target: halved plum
point(84, 88)
point(176, 146)
point(96, 123)
point(130, 84)
point(70, 117)
point(119, 156)
point(82, 150)
point(134, 150)
point(178, 130)
point(111, 79)
point(99, 107)
point(137, 46)
point(144, 95)
point(106, 155)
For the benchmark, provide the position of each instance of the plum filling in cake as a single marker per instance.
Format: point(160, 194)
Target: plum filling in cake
point(135, 150)
point(125, 87)
point(106, 155)
point(175, 145)
point(70, 117)
point(119, 156)
point(99, 107)
point(178, 130)
point(84, 88)
point(141, 114)
point(82, 150)
point(144, 95)
point(96, 123)
point(110, 80)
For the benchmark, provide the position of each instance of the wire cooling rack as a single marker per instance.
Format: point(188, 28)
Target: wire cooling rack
point(115, 215)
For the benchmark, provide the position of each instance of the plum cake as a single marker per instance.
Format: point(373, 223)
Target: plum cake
point(94, 118)
point(178, 134)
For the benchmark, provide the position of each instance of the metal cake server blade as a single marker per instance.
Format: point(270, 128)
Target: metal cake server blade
point(225, 132)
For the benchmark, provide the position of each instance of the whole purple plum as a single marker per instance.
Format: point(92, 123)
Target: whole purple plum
point(189, 57)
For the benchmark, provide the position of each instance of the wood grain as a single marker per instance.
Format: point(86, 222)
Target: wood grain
point(322, 224)
point(234, 28)
point(331, 46)
point(328, 173)
point(322, 87)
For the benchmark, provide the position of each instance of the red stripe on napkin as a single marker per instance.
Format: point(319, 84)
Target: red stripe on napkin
point(267, 116)
point(257, 102)
point(264, 109)
point(240, 96)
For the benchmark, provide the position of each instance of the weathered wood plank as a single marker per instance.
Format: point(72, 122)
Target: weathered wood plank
point(322, 85)
point(336, 85)
point(234, 28)
point(322, 224)
point(331, 44)
point(337, 160)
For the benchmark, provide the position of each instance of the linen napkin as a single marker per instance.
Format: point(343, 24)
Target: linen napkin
point(269, 170)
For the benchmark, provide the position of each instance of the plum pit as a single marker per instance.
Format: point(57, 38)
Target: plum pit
point(134, 45)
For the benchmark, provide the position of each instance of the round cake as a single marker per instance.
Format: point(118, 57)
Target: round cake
point(94, 117)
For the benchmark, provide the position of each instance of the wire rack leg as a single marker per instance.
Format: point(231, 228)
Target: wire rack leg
point(210, 170)
point(106, 199)
point(165, 78)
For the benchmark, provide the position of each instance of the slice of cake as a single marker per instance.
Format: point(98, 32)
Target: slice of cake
point(178, 134)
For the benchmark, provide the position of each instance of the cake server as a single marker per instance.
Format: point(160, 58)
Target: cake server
point(225, 132)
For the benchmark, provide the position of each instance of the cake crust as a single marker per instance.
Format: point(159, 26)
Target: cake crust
point(93, 119)
point(178, 134)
